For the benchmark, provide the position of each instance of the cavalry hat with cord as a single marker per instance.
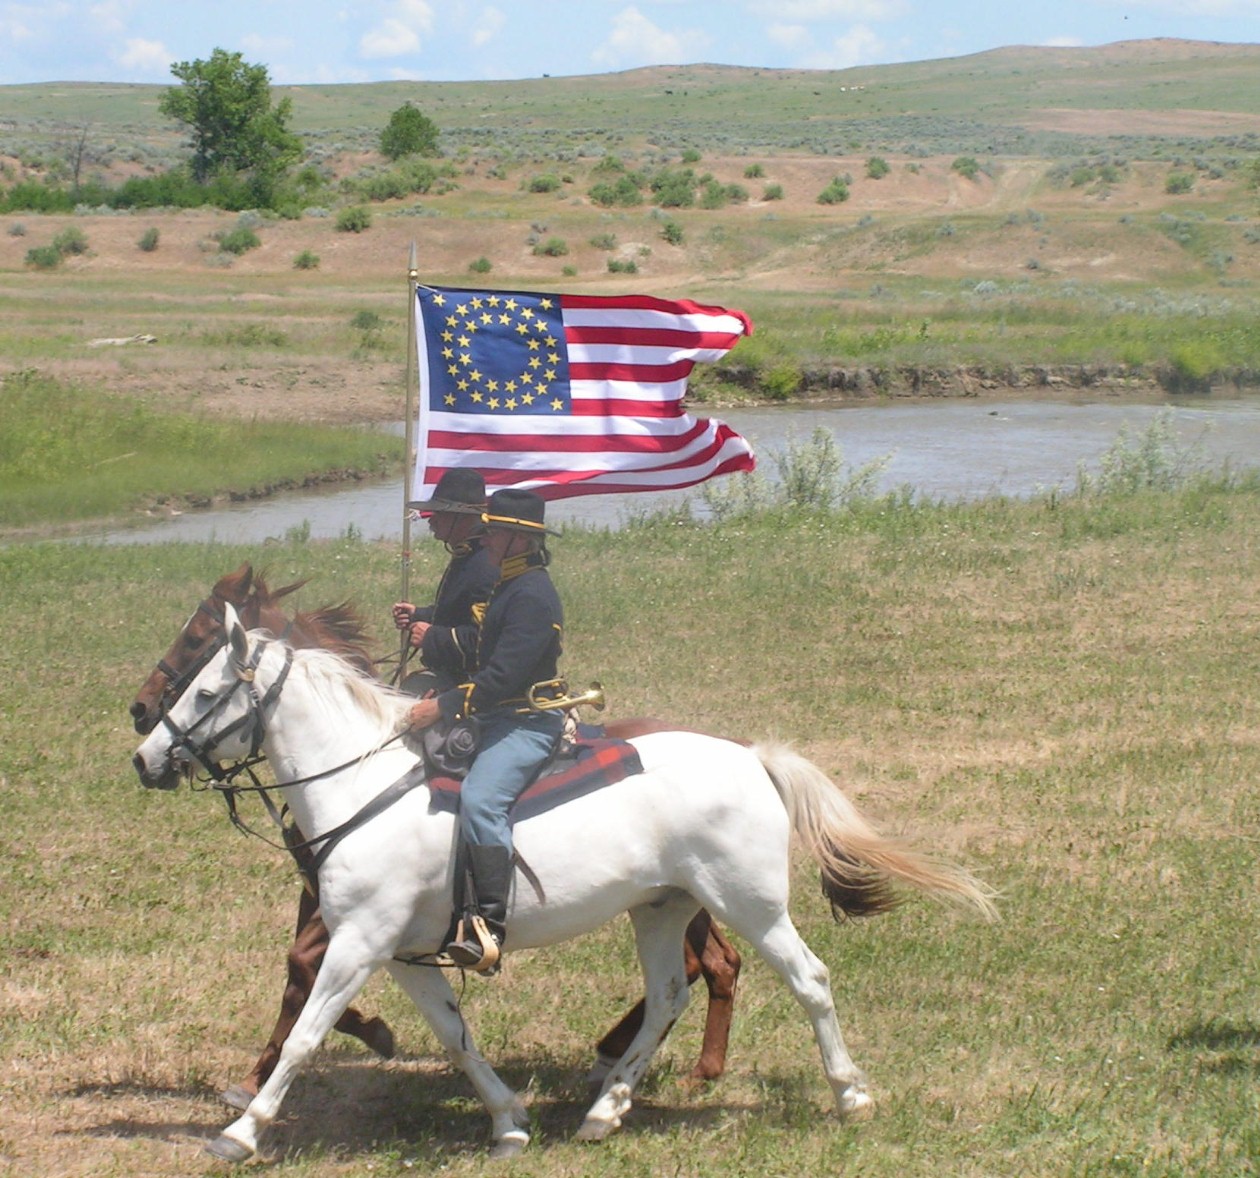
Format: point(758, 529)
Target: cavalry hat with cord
point(461, 489)
point(518, 511)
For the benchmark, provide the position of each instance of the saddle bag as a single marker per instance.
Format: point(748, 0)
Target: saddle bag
point(450, 746)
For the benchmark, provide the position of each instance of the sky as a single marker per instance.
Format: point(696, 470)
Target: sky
point(323, 41)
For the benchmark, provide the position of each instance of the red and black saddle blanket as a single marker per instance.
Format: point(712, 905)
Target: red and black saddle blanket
point(584, 767)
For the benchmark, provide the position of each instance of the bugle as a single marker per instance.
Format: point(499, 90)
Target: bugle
point(593, 695)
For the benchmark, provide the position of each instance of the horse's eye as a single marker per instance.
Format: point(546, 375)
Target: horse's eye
point(205, 694)
point(191, 642)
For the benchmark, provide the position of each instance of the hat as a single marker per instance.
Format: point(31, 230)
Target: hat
point(459, 489)
point(518, 511)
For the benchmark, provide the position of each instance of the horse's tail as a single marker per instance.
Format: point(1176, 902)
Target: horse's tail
point(859, 865)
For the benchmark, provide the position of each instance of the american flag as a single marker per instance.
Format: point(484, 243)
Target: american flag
point(568, 394)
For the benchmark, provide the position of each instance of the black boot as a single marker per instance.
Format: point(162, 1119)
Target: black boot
point(479, 933)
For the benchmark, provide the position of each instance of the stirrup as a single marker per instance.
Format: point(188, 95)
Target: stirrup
point(475, 947)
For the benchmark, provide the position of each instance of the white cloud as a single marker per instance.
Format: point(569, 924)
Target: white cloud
point(859, 46)
point(487, 27)
point(1063, 43)
point(636, 41)
point(789, 36)
point(145, 57)
point(399, 33)
point(812, 11)
point(1238, 8)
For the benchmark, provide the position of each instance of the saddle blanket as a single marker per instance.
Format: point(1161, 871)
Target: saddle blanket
point(593, 765)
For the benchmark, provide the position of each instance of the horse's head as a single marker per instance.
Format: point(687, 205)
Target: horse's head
point(201, 636)
point(218, 718)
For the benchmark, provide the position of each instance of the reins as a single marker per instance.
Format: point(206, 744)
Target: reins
point(224, 779)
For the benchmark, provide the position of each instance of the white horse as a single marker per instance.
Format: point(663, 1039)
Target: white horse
point(707, 823)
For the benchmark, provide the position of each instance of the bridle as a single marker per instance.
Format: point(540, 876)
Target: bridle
point(177, 681)
point(254, 717)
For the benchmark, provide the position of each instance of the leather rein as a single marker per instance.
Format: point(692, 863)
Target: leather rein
point(223, 779)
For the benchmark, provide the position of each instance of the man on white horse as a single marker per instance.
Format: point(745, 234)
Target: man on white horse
point(518, 648)
point(445, 632)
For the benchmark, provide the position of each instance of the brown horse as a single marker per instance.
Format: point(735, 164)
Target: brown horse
point(338, 628)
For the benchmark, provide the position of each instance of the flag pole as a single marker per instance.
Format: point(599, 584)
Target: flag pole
point(409, 451)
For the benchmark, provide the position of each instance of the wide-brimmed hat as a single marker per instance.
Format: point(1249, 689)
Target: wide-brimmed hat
point(460, 489)
point(518, 511)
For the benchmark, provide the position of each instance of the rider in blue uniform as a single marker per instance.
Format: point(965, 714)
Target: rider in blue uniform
point(518, 647)
point(445, 632)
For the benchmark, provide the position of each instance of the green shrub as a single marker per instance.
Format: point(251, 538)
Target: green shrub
point(675, 189)
point(690, 156)
point(604, 241)
point(1179, 183)
point(877, 168)
point(754, 172)
point(837, 192)
point(672, 232)
point(622, 266)
point(148, 240)
point(773, 192)
point(44, 257)
point(71, 240)
point(548, 182)
point(553, 247)
point(306, 260)
point(17, 229)
point(238, 241)
point(353, 219)
point(966, 166)
point(480, 266)
point(624, 193)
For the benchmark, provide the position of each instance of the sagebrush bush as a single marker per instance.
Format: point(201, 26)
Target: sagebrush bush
point(353, 219)
point(149, 240)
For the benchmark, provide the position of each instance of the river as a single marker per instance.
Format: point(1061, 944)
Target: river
point(954, 450)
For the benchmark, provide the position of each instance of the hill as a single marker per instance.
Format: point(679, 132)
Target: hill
point(1019, 187)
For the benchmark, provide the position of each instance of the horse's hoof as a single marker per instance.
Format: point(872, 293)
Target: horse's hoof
point(228, 1149)
point(237, 1097)
point(594, 1129)
point(380, 1038)
point(856, 1105)
point(508, 1146)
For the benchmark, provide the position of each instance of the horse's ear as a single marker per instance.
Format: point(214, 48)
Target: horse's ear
point(238, 640)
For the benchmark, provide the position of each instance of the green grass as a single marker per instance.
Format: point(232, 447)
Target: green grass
point(1059, 693)
point(70, 454)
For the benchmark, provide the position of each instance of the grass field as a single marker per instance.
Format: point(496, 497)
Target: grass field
point(1059, 694)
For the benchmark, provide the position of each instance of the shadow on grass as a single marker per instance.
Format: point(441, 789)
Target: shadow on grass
point(1222, 1046)
point(418, 1106)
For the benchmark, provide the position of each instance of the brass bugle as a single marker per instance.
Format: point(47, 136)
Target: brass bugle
point(593, 695)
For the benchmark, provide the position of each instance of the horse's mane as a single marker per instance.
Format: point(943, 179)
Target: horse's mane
point(331, 673)
point(339, 628)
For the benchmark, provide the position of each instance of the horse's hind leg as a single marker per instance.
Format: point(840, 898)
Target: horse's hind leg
point(432, 994)
point(708, 954)
point(658, 932)
point(305, 955)
point(719, 963)
point(788, 955)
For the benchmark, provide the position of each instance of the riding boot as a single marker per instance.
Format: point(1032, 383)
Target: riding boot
point(479, 933)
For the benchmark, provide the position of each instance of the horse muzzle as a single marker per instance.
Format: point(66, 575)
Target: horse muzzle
point(144, 720)
point(165, 777)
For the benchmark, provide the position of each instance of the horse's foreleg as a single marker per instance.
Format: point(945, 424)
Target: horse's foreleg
point(346, 966)
point(305, 955)
point(658, 933)
point(435, 1000)
point(719, 962)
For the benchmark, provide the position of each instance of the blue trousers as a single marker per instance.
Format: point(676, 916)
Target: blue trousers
point(513, 748)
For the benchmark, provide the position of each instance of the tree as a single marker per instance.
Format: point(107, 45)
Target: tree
point(226, 104)
point(409, 132)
